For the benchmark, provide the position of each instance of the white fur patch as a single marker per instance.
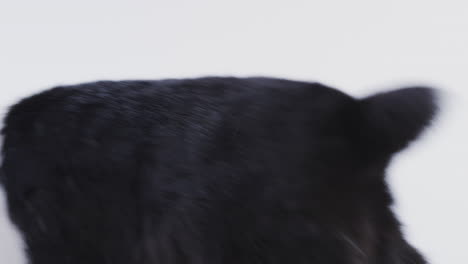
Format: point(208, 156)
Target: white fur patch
point(11, 243)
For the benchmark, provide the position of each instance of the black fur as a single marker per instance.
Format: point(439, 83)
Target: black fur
point(209, 170)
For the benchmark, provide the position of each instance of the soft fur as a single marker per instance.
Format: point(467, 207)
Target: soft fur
point(209, 171)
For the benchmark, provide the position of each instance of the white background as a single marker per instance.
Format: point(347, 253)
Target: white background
point(357, 46)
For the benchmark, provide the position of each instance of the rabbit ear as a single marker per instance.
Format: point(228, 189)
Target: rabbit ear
point(393, 119)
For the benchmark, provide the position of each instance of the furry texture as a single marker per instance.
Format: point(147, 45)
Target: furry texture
point(209, 170)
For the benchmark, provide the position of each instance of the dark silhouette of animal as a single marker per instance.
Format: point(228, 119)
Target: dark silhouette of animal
point(209, 171)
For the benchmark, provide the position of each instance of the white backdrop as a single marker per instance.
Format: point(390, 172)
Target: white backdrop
point(359, 46)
